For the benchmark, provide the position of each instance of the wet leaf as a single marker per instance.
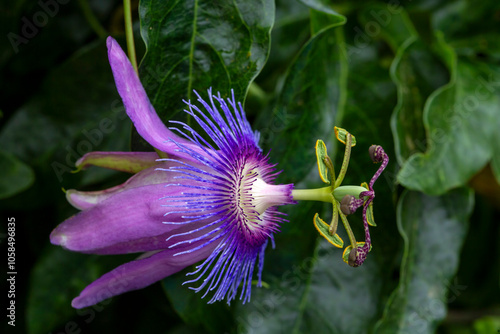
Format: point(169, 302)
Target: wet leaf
point(461, 122)
point(200, 44)
point(434, 230)
point(315, 82)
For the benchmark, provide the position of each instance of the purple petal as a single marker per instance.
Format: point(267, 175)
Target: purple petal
point(87, 199)
point(176, 237)
point(126, 216)
point(138, 274)
point(130, 162)
point(137, 104)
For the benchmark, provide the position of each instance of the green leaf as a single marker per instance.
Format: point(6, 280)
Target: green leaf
point(69, 118)
point(316, 296)
point(193, 310)
point(199, 44)
point(16, 176)
point(321, 155)
point(462, 125)
point(486, 325)
point(415, 70)
point(470, 27)
point(334, 289)
point(315, 82)
point(57, 278)
point(417, 73)
point(322, 15)
point(434, 229)
point(390, 21)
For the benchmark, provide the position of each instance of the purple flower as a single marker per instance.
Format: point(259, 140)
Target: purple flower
point(201, 200)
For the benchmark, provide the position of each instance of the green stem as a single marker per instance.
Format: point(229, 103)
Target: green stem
point(335, 219)
point(257, 93)
point(91, 19)
point(129, 33)
point(320, 194)
point(345, 163)
point(347, 227)
point(329, 164)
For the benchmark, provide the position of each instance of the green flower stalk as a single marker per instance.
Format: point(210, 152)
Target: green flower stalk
point(345, 199)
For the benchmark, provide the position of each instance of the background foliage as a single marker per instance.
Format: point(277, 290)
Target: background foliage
point(420, 78)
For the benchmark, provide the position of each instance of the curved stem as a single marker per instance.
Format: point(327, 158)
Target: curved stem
point(345, 163)
point(347, 227)
point(385, 161)
point(368, 240)
point(363, 251)
point(335, 219)
point(320, 194)
point(91, 19)
point(127, 12)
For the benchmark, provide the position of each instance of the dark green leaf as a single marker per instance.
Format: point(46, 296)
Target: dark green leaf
point(15, 175)
point(69, 118)
point(390, 22)
point(462, 125)
point(417, 73)
point(57, 278)
point(471, 27)
point(433, 229)
point(195, 311)
point(290, 32)
point(322, 15)
point(317, 295)
point(199, 44)
point(315, 83)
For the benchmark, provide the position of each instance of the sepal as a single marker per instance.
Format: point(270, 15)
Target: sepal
point(324, 229)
